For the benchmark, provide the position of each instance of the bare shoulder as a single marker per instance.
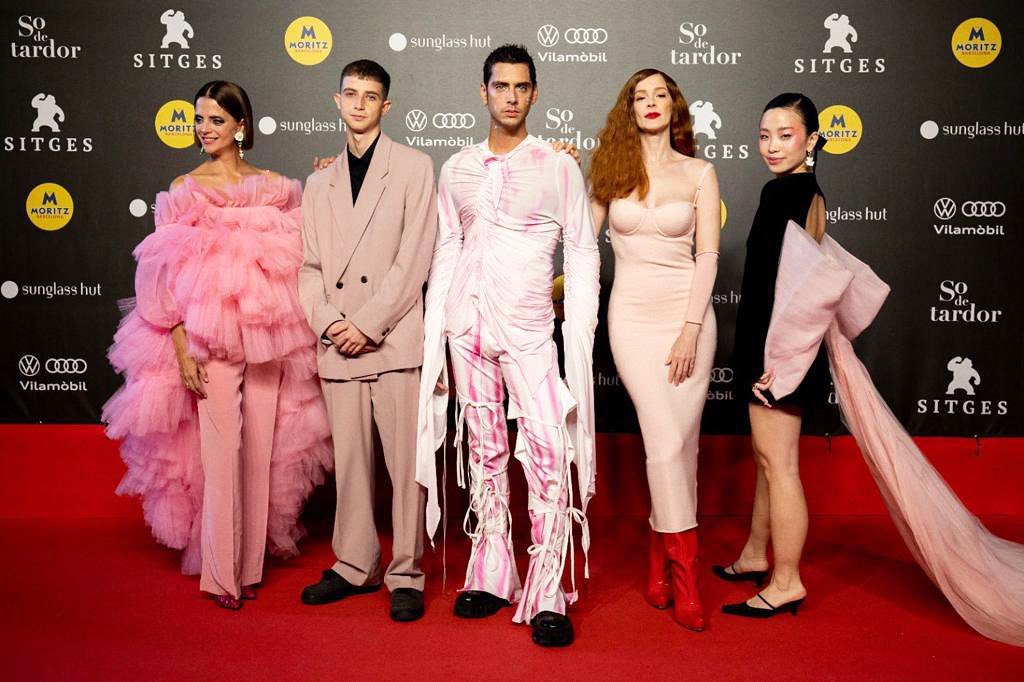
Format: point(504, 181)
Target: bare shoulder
point(178, 181)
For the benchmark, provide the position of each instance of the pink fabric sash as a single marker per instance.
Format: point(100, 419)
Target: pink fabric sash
point(824, 292)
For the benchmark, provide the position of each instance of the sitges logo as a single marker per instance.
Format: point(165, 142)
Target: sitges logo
point(961, 393)
point(571, 40)
point(34, 42)
point(48, 117)
point(708, 123)
point(842, 36)
point(457, 123)
point(416, 121)
point(560, 125)
point(695, 47)
point(177, 38)
point(956, 306)
point(985, 218)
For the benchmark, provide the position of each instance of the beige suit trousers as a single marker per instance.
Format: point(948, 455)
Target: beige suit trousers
point(389, 401)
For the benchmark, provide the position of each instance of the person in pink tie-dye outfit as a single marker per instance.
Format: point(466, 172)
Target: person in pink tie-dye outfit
point(503, 207)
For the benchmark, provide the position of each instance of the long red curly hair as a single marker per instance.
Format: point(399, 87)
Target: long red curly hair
point(617, 167)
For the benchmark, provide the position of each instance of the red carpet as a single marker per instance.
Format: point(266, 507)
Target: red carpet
point(88, 595)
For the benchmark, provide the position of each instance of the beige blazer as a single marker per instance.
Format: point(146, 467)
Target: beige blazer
point(368, 263)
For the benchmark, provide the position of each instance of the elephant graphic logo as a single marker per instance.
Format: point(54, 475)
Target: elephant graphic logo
point(840, 33)
point(965, 377)
point(178, 30)
point(705, 120)
point(48, 113)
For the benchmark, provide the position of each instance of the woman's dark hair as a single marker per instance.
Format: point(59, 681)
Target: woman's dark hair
point(232, 99)
point(805, 109)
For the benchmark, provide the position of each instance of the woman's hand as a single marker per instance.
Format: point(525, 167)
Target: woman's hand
point(763, 384)
point(567, 147)
point(320, 164)
point(683, 355)
point(193, 374)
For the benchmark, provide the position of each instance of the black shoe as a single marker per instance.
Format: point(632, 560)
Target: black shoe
point(744, 609)
point(737, 577)
point(332, 587)
point(477, 604)
point(551, 629)
point(406, 604)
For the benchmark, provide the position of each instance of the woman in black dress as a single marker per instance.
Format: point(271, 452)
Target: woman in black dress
point(788, 145)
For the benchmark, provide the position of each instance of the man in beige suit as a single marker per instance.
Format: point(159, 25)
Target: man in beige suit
point(369, 221)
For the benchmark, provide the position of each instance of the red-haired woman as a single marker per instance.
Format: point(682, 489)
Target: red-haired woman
point(660, 201)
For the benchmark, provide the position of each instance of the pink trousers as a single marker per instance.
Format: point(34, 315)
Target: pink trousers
point(236, 430)
point(480, 368)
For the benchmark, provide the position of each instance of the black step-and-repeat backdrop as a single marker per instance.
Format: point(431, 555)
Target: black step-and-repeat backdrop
point(921, 103)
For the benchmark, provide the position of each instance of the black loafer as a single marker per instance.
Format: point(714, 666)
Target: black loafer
point(331, 588)
point(551, 629)
point(406, 604)
point(477, 604)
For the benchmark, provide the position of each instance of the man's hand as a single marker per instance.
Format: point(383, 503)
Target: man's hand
point(349, 340)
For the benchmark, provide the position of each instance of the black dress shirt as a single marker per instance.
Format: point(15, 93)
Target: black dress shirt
point(357, 166)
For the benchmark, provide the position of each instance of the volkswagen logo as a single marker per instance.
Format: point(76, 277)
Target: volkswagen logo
point(586, 36)
point(454, 121)
point(547, 35)
point(28, 365)
point(721, 375)
point(983, 209)
point(416, 120)
point(945, 208)
point(66, 366)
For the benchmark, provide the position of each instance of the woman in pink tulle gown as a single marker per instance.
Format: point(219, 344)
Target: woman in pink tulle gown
point(221, 419)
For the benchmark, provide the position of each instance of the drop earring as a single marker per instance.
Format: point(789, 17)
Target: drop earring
point(809, 160)
point(239, 137)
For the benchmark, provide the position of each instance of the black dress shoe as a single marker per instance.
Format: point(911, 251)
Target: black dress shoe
point(477, 604)
point(551, 629)
point(737, 577)
point(748, 611)
point(332, 587)
point(406, 604)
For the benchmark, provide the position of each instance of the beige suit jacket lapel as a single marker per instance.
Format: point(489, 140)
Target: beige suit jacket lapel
point(369, 196)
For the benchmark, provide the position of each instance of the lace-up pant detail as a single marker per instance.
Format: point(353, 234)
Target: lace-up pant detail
point(482, 371)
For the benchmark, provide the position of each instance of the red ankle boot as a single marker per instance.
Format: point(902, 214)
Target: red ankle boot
point(682, 555)
point(659, 589)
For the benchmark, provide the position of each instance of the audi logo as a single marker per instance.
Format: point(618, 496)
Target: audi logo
point(585, 36)
point(28, 365)
point(416, 120)
point(944, 208)
point(547, 35)
point(721, 375)
point(454, 121)
point(983, 209)
point(66, 366)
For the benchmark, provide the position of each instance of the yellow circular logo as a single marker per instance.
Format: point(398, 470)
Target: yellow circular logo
point(976, 42)
point(841, 127)
point(308, 41)
point(725, 213)
point(175, 122)
point(49, 206)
